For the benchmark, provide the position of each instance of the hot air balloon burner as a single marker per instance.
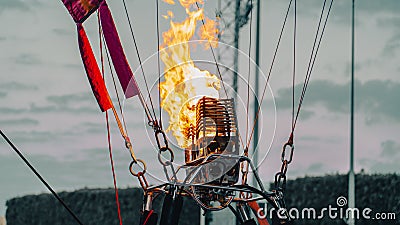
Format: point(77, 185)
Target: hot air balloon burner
point(215, 133)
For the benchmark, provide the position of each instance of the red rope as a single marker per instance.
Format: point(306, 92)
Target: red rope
point(113, 171)
point(148, 217)
point(108, 131)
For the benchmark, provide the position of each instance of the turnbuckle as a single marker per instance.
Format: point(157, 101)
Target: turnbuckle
point(283, 156)
point(158, 131)
point(280, 177)
point(163, 148)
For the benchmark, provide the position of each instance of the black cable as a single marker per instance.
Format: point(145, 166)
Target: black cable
point(248, 72)
point(215, 58)
point(237, 215)
point(294, 59)
point(270, 71)
point(218, 70)
point(40, 178)
point(140, 61)
point(314, 43)
point(115, 88)
point(312, 65)
point(158, 62)
point(111, 71)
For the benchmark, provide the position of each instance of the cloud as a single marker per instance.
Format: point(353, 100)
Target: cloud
point(365, 6)
point(333, 96)
point(390, 149)
point(375, 98)
point(27, 59)
point(341, 10)
point(392, 46)
point(13, 5)
point(306, 114)
point(33, 136)
point(18, 180)
point(378, 98)
point(94, 127)
point(38, 136)
point(8, 110)
point(388, 161)
point(33, 108)
point(62, 32)
point(3, 94)
point(315, 168)
point(17, 122)
point(389, 22)
point(383, 6)
point(83, 102)
point(70, 98)
point(17, 86)
point(63, 109)
point(20, 5)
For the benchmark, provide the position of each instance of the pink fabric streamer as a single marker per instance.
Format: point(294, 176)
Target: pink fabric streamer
point(118, 57)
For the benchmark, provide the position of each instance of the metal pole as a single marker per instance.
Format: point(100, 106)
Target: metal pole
point(351, 221)
point(256, 87)
point(236, 51)
point(202, 217)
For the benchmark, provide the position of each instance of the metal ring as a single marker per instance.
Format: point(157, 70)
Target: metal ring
point(284, 167)
point(141, 172)
point(158, 140)
point(280, 181)
point(284, 152)
point(168, 162)
point(164, 149)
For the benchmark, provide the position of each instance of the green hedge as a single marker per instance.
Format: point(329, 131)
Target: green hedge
point(92, 206)
point(381, 193)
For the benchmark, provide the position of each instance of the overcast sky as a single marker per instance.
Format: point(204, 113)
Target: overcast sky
point(48, 111)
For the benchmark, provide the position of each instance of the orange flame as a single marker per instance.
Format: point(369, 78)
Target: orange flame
point(209, 32)
point(184, 83)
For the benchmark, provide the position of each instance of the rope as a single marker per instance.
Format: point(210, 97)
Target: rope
point(115, 88)
point(269, 72)
point(119, 124)
point(113, 170)
point(41, 178)
point(148, 217)
point(140, 62)
point(312, 60)
point(108, 128)
point(121, 129)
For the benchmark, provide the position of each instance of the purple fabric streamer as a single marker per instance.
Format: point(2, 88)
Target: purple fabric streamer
point(80, 10)
point(118, 57)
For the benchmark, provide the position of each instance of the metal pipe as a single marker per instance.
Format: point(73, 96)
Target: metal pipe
point(351, 191)
point(256, 87)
